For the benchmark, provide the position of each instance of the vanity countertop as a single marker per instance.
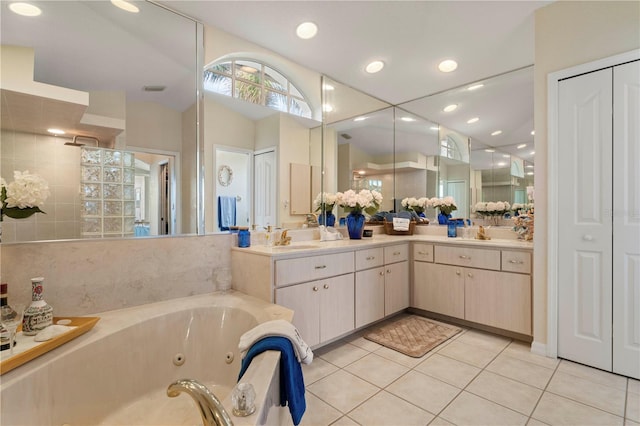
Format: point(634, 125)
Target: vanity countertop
point(326, 247)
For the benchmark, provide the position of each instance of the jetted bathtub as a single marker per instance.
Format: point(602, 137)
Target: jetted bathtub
point(118, 372)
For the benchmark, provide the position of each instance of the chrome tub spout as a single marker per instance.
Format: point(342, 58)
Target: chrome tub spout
point(211, 409)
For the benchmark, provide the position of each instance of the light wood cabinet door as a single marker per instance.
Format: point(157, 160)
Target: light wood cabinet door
point(336, 306)
point(304, 300)
point(439, 288)
point(369, 296)
point(396, 287)
point(498, 299)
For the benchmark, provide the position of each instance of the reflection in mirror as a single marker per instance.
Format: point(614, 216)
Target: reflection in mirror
point(454, 170)
point(122, 83)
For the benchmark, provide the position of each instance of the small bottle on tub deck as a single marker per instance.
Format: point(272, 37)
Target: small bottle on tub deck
point(39, 315)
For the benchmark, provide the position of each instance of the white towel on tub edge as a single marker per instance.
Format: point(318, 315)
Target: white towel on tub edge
point(280, 328)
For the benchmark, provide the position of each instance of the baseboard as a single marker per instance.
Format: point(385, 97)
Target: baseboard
point(539, 348)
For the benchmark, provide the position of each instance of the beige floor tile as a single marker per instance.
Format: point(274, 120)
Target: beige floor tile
point(448, 370)
point(439, 421)
point(342, 354)
point(556, 410)
point(534, 422)
point(377, 370)
point(593, 374)
point(522, 371)
point(318, 412)
point(318, 369)
point(468, 409)
point(424, 391)
point(633, 407)
point(401, 359)
point(466, 353)
point(484, 340)
point(634, 386)
point(387, 409)
point(587, 392)
point(522, 350)
point(345, 421)
point(504, 391)
point(359, 341)
point(343, 390)
point(628, 422)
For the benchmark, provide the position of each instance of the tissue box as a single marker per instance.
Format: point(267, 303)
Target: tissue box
point(388, 228)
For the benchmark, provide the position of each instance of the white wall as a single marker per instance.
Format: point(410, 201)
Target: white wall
point(568, 34)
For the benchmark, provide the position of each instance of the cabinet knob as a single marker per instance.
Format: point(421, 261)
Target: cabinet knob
point(457, 272)
point(587, 237)
point(370, 257)
point(462, 256)
point(326, 286)
point(424, 253)
point(381, 273)
point(470, 275)
point(517, 262)
point(315, 288)
point(388, 271)
point(396, 253)
point(321, 266)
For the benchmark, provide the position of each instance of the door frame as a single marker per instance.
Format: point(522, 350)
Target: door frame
point(552, 214)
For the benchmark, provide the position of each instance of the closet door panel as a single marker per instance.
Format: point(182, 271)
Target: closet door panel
point(626, 220)
point(585, 227)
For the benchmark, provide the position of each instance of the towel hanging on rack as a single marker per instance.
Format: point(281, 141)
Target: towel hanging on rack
point(226, 212)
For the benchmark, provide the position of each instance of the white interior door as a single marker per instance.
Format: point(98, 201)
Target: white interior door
point(265, 174)
point(626, 220)
point(458, 189)
point(585, 228)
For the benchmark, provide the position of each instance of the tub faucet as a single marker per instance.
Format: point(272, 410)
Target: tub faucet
point(211, 409)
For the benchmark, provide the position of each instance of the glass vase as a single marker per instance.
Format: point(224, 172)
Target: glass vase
point(327, 219)
point(355, 225)
point(443, 218)
point(39, 314)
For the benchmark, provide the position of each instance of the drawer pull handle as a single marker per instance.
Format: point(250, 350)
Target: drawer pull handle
point(370, 257)
point(396, 253)
point(517, 262)
point(462, 256)
point(588, 237)
point(321, 267)
point(326, 286)
point(315, 288)
point(424, 253)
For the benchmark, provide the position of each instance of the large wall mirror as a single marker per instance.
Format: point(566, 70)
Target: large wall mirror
point(123, 88)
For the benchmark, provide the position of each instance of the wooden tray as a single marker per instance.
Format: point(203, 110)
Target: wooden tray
point(31, 349)
point(388, 228)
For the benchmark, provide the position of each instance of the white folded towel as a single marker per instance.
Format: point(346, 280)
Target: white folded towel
point(401, 224)
point(280, 328)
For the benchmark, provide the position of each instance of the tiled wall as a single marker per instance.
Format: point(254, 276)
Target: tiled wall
point(87, 277)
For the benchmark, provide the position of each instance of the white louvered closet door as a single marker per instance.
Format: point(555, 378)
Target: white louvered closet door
point(626, 219)
point(585, 229)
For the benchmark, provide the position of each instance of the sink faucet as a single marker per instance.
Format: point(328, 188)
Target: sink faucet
point(211, 409)
point(311, 220)
point(284, 240)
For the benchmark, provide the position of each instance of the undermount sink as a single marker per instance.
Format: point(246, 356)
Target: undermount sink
point(296, 247)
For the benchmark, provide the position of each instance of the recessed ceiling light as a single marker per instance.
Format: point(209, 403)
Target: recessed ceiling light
point(307, 30)
point(434, 128)
point(529, 173)
point(374, 67)
point(125, 5)
point(447, 65)
point(56, 131)
point(489, 150)
point(327, 108)
point(408, 119)
point(529, 166)
point(360, 118)
point(327, 87)
point(533, 132)
point(533, 153)
point(522, 145)
point(475, 86)
point(450, 108)
point(473, 120)
point(25, 9)
point(502, 164)
point(361, 172)
point(506, 156)
point(496, 133)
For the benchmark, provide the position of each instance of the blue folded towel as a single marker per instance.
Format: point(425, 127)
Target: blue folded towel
point(226, 212)
point(291, 380)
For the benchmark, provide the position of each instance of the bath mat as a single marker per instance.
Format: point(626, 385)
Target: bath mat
point(412, 335)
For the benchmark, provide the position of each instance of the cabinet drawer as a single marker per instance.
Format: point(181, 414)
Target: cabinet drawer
point(423, 252)
point(396, 253)
point(516, 261)
point(369, 258)
point(291, 271)
point(466, 256)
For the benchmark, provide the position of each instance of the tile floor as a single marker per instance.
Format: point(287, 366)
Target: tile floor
point(475, 378)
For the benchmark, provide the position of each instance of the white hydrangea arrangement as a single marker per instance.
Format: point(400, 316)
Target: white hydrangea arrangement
point(521, 208)
point(356, 202)
point(446, 205)
point(491, 208)
point(24, 196)
point(418, 205)
point(325, 201)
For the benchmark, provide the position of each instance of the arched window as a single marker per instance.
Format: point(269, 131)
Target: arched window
point(257, 83)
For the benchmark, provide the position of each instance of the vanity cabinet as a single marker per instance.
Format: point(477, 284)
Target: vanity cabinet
point(487, 286)
point(396, 278)
point(369, 286)
point(324, 309)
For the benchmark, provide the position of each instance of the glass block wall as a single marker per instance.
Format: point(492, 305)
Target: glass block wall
point(107, 191)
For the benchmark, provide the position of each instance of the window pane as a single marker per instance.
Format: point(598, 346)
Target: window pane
point(276, 100)
point(217, 83)
point(299, 107)
point(222, 68)
point(295, 92)
point(248, 70)
point(248, 92)
point(274, 80)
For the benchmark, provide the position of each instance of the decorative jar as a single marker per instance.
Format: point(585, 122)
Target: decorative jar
point(39, 314)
